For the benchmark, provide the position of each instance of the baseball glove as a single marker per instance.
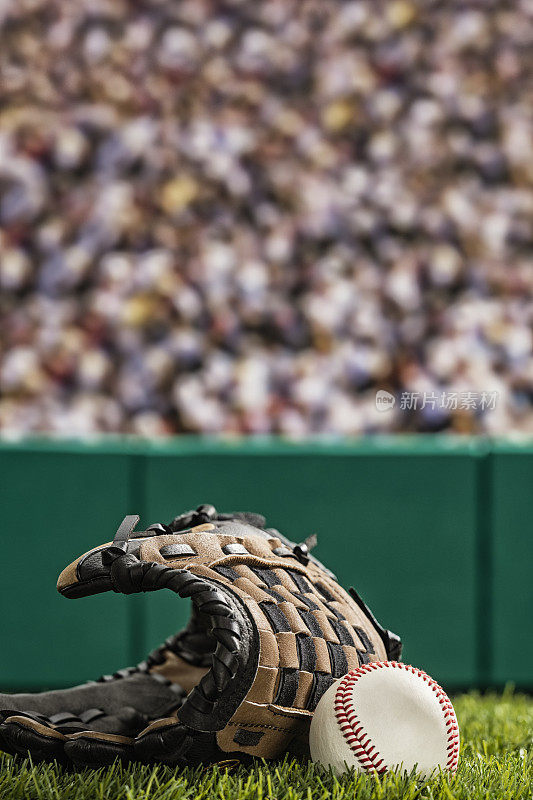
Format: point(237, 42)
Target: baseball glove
point(270, 631)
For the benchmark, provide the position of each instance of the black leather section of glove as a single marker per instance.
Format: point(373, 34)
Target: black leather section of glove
point(128, 702)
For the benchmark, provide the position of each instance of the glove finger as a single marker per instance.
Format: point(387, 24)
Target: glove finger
point(165, 740)
point(94, 749)
point(26, 736)
point(5, 747)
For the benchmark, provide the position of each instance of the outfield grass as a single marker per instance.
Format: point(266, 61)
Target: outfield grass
point(496, 762)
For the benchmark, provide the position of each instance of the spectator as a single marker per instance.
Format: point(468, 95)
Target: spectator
point(248, 218)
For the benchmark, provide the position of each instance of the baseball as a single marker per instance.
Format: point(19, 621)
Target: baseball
point(385, 715)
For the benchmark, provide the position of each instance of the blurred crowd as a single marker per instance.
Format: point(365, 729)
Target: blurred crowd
point(223, 216)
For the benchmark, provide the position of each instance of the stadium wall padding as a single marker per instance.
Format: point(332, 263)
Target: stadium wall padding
point(433, 532)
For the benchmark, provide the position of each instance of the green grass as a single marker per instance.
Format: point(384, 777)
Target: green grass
point(496, 762)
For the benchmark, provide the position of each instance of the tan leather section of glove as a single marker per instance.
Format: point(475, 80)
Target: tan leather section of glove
point(179, 671)
point(322, 655)
point(164, 722)
point(206, 526)
point(68, 576)
point(264, 685)
point(351, 657)
point(288, 651)
point(270, 656)
point(44, 730)
point(209, 550)
point(295, 621)
point(102, 737)
point(252, 589)
point(305, 687)
point(274, 727)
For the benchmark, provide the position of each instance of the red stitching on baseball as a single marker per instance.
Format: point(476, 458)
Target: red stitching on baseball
point(352, 728)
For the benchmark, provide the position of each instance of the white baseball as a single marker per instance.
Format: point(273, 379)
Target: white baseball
point(382, 716)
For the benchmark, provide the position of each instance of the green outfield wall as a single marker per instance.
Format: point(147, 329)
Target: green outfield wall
point(434, 533)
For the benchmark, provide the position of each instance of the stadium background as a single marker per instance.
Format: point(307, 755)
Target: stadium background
point(226, 219)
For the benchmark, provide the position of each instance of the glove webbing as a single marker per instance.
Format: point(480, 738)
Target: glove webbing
point(130, 575)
